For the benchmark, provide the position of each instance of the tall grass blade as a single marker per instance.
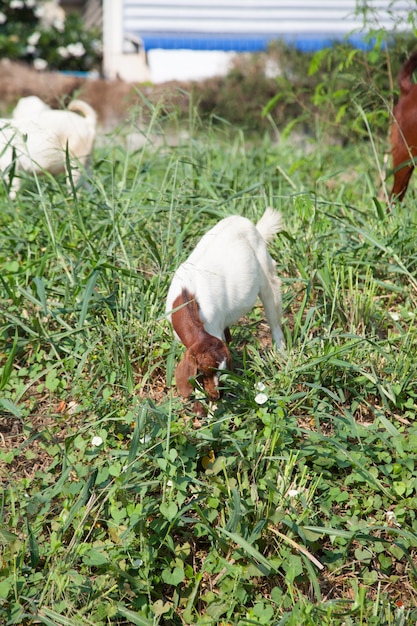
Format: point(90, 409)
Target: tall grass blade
point(297, 546)
point(40, 289)
point(133, 617)
point(252, 552)
point(33, 545)
point(8, 366)
point(88, 292)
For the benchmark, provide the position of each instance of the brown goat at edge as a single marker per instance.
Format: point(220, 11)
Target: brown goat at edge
point(204, 354)
point(404, 130)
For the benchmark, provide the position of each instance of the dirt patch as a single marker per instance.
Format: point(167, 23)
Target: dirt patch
point(112, 99)
point(24, 442)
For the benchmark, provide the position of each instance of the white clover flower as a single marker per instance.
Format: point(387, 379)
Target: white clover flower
point(40, 64)
point(261, 398)
point(96, 441)
point(76, 49)
point(3, 18)
point(260, 386)
point(391, 519)
point(293, 493)
point(34, 38)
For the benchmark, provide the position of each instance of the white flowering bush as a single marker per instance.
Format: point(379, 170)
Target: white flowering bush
point(41, 34)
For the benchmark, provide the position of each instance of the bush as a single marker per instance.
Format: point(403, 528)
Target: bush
point(340, 92)
point(47, 39)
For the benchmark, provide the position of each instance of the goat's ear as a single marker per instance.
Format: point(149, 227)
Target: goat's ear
point(186, 369)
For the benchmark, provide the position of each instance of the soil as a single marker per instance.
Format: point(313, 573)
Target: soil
point(112, 99)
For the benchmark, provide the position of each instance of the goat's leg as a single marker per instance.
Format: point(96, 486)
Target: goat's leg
point(401, 180)
point(270, 295)
point(403, 152)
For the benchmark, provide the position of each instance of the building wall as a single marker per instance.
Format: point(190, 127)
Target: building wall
point(250, 24)
point(235, 25)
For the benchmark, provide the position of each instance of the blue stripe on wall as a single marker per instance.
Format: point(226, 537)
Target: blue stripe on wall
point(243, 43)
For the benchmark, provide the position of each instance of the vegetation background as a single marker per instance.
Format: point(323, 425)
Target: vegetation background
point(295, 501)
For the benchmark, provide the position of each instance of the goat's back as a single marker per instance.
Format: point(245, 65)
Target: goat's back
point(227, 248)
point(235, 229)
point(29, 106)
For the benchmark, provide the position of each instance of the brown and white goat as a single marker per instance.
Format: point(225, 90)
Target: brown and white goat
point(218, 283)
point(404, 130)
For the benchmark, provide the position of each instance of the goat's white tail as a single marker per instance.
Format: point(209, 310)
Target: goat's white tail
point(270, 224)
point(79, 106)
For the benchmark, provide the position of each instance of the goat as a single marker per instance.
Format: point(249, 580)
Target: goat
point(38, 137)
point(218, 283)
point(404, 130)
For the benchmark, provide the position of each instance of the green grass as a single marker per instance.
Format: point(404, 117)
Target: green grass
point(301, 510)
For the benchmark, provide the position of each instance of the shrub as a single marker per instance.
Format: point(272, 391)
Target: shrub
point(337, 92)
point(31, 34)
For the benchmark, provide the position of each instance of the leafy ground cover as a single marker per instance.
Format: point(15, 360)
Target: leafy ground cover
point(294, 507)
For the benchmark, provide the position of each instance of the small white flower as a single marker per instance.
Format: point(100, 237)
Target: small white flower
point(391, 519)
point(59, 25)
point(34, 38)
point(395, 316)
point(63, 52)
point(96, 441)
point(169, 483)
point(72, 407)
point(124, 469)
point(3, 18)
point(30, 49)
point(145, 439)
point(293, 493)
point(76, 49)
point(16, 4)
point(40, 64)
point(260, 386)
point(137, 563)
point(261, 398)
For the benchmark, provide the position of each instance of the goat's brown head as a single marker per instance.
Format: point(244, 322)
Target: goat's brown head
point(202, 360)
